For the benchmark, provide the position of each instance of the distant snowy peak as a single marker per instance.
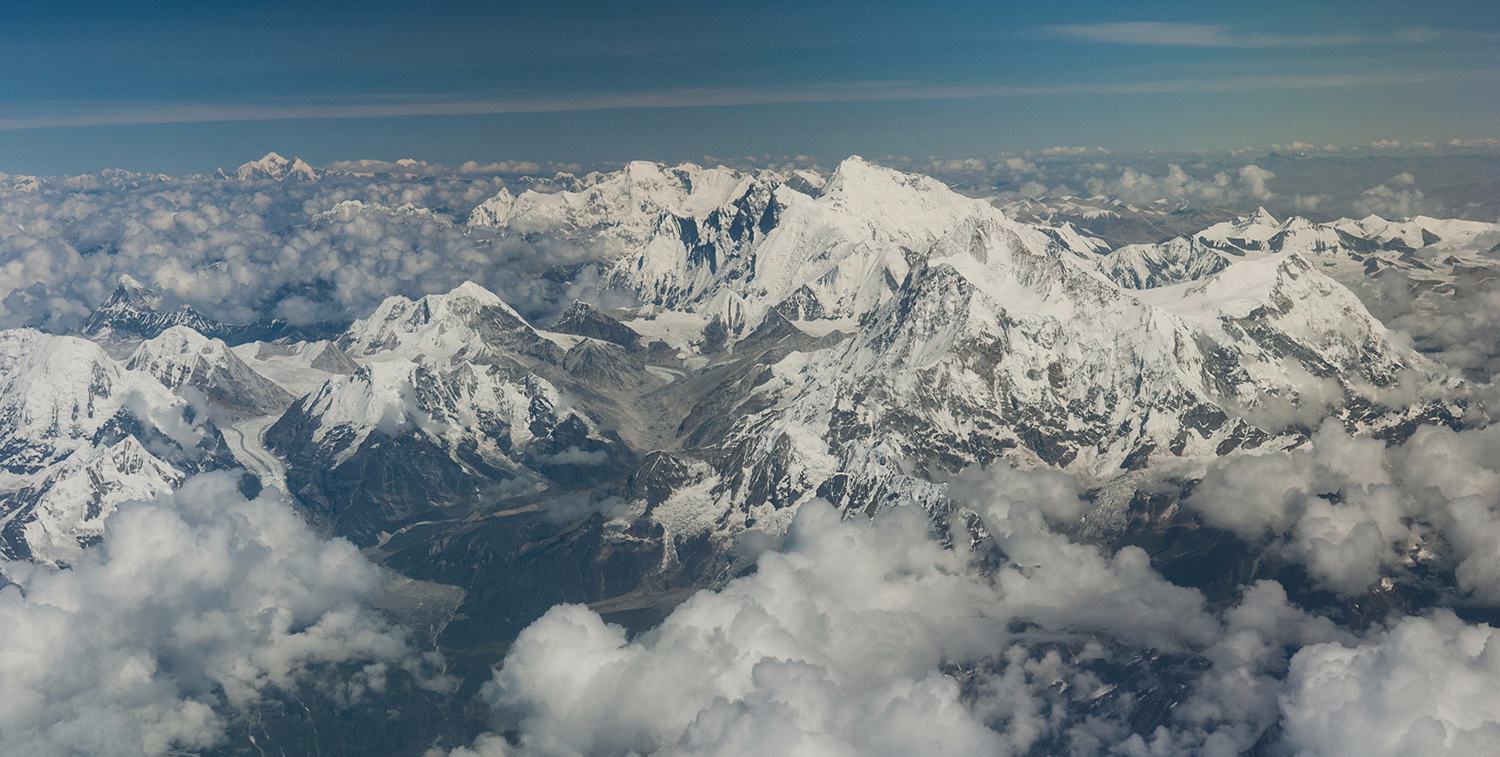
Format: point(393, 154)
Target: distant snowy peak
point(275, 168)
point(1115, 222)
point(1346, 249)
point(628, 202)
point(1262, 233)
point(1423, 231)
point(181, 358)
point(19, 183)
point(349, 209)
point(468, 323)
point(1245, 232)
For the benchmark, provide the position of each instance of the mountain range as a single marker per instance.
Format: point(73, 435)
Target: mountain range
point(859, 337)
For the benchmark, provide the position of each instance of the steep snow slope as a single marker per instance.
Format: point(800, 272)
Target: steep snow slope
point(998, 346)
point(469, 323)
point(1145, 266)
point(59, 394)
point(297, 367)
point(78, 433)
point(53, 518)
point(184, 359)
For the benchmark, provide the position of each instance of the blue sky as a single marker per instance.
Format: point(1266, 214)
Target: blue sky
point(180, 86)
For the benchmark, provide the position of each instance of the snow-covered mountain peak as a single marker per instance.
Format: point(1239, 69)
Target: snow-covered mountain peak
point(180, 357)
point(472, 292)
point(130, 289)
point(627, 202)
point(134, 311)
point(275, 167)
point(859, 182)
point(469, 322)
point(58, 392)
point(182, 340)
point(398, 429)
point(1261, 217)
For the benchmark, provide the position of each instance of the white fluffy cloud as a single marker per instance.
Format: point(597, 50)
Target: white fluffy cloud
point(867, 637)
point(1249, 183)
point(303, 251)
point(1384, 200)
point(838, 644)
point(194, 605)
point(1427, 686)
point(1352, 510)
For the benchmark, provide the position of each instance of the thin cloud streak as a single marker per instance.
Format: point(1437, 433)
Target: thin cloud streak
point(89, 114)
point(1169, 34)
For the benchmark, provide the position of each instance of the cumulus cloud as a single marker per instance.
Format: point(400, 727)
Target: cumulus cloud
point(303, 251)
point(1399, 201)
point(193, 607)
point(1460, 326)
point(1253, 178)
point(867, 637)
point(1429, 685)
point(1248, 183)
point(1353, 510)
point(864, 637)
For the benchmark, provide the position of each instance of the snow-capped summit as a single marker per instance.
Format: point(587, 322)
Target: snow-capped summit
point(19, 183)
point(134, 312)
point(1246, 232)
point(364, 448)
point(66, 409)
point(998, 344)
point(59, 393)
point(831, 256)
point(1421, 231)
point(349, 209)
point(1261, 217)
point(181, 358)
point(276, 168)
point(468, 323)
point(625, 204)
